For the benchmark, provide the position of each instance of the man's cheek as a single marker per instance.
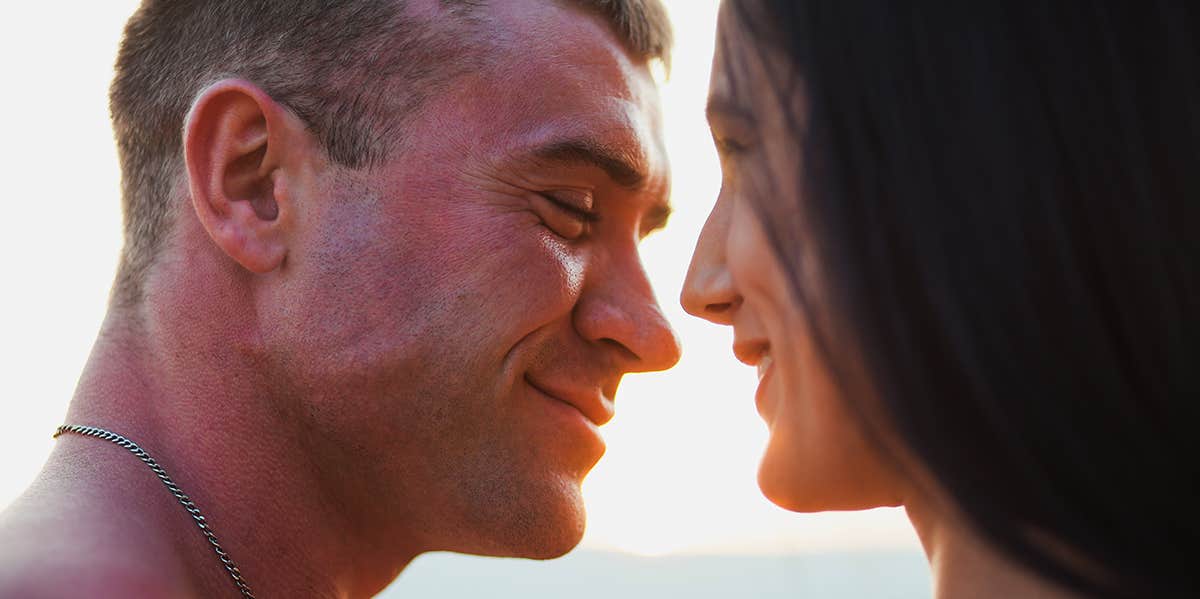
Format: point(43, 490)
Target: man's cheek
point(542, 277)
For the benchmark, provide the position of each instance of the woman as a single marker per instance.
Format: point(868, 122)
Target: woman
point(962, 245)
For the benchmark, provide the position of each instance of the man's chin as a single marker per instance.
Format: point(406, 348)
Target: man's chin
point(548, 550)
point(542, 524)
point(546, 537)
point(545, 545)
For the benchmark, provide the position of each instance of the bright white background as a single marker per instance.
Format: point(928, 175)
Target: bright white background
point(679, 476)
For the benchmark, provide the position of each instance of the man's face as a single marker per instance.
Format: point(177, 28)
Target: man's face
point(458, 318)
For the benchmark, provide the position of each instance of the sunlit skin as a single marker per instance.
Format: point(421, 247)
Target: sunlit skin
point(817, 457)
point(528, 283)
point(345, 369)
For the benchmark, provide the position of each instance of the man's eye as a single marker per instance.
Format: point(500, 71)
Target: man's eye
point(565, 220)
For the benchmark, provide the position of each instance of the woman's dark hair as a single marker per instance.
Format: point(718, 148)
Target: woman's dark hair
point(1004, 196)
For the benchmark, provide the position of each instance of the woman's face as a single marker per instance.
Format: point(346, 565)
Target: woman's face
point(817, 457)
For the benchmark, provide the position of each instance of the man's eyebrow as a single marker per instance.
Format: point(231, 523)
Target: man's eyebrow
point(621, 167)
point(656, 218)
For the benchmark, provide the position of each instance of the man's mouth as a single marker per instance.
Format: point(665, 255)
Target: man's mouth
point(589, 401)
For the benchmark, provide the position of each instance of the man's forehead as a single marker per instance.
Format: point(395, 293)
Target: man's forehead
point(569, 88)
point(546, 36)
point(556, 84)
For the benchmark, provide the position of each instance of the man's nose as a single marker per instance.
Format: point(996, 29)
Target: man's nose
point(619, 309)
point(708, 291)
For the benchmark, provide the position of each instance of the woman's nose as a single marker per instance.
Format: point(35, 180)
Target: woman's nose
point(708, 291)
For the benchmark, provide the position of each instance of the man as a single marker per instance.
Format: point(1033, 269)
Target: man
point(380, 282)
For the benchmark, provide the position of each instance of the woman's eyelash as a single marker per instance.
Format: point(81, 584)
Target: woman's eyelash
point(728, 146)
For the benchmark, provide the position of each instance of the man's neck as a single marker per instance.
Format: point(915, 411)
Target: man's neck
point(207, 417)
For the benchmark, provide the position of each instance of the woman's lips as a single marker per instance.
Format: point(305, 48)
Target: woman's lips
point(763, 366)
point(765, 371)
point(756, 352)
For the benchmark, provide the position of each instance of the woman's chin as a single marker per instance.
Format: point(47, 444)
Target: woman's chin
point(784, 485)
point(799, 485)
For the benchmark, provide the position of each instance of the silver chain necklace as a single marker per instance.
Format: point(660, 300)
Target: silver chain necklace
point(191, 508)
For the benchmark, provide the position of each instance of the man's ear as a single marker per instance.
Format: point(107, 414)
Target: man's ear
point(242, 151)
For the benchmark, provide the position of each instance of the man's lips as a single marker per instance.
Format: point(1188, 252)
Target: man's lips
point(588, 400)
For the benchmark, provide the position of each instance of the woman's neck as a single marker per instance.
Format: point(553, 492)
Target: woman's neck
point(964, 565)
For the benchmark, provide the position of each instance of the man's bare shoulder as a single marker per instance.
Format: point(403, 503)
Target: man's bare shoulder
point(62, 580)
point(50, 550)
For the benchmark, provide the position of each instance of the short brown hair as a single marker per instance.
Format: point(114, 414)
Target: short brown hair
point(351, 70)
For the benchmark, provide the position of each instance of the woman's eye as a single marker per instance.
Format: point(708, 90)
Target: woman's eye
point(566, 220)
point(728, 147)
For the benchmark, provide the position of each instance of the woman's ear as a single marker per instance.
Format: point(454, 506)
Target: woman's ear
point(241, 157)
